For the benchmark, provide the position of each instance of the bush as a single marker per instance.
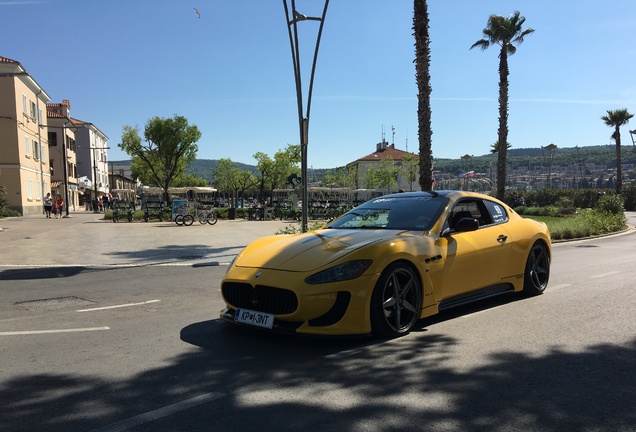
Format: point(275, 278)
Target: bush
point(629, 196)
point(611, 204)
point(7, 212)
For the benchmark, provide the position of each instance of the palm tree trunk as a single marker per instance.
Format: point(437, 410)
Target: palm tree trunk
point(423, 78)
point(619, 167)
point(502, 139)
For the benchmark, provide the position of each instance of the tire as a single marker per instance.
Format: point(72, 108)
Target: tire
point(212, 219)
point(160, 216)
point(115, 218)
point(178, 219)
point(130, 217)
point(537, 271)
point(202, 219)
point(188, 220)
point(396, 301)
point(145, 217)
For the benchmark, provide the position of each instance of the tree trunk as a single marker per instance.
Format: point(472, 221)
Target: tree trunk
point(619, 163)
point(502, 139)
point(423, 78)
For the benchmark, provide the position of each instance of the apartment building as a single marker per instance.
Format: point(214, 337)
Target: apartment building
point(43, 149)
point(62, 155)
point(24, 160)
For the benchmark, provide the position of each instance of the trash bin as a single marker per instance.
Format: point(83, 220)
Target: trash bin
point(231, 213)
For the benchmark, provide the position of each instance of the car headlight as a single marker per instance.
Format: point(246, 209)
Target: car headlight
point(345, 271)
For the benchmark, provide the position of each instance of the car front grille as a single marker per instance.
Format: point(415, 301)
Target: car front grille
point(260, 298)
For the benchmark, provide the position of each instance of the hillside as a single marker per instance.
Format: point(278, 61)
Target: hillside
point(533, 157)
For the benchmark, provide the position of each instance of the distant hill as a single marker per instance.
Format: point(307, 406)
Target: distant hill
point(603, 155)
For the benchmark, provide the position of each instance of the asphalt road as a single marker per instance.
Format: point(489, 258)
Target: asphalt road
point(140, 348)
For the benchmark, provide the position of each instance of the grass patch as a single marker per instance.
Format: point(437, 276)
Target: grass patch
point(584, 224)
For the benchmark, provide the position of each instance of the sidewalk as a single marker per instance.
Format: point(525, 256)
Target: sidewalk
point(86, 239)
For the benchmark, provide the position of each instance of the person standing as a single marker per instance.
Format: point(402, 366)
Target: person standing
point(59, 205)
point(48, 204)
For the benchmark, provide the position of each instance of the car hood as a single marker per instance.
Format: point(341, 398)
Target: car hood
point(308, 251)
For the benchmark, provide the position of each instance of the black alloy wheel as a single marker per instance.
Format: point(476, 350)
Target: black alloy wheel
point(396, 301)
point(537, 271)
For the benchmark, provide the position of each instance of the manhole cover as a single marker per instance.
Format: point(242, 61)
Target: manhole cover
point(53, 303)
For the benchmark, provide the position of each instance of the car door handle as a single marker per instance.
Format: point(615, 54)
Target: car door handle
point(502, 238)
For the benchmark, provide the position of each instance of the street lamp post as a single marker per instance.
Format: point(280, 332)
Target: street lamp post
point(95, 171)
point(303, 119)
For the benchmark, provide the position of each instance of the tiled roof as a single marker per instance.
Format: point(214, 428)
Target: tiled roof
point(390, 152)
point(8, 60)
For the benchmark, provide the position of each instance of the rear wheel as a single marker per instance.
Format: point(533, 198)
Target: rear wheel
point(188, 220)
point(178, 219)
point(396, 301)
point(115, 218)
point(146, 217)
point(130, 216)
point(212, 218)
point(160, 216)
point(537, 270)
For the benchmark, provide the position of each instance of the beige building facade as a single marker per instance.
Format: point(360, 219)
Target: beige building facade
point(24, 157)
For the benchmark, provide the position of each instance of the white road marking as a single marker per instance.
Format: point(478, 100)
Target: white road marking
point(599, 276)
point(159, 413)
point(31, 332)
point(557, 287)
point(118, 306)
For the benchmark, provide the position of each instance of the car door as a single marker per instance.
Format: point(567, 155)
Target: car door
point(475, 259)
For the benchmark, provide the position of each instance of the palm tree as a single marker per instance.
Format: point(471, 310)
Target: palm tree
point(505, 32)
point(423, 78)
point(616, 119)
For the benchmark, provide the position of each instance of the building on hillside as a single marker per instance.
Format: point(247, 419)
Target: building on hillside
point(92, 161)
point(62, 151)
point(24, 157)
point(384, 151)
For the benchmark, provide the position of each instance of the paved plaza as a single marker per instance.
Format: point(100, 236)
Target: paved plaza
point(86, 239)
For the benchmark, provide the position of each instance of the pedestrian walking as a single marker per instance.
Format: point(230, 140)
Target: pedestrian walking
point(59, 206)
point(48, 204)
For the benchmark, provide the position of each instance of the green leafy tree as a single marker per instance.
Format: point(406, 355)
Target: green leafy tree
point(169, 146)
point(265, 168)
point(505, 32)
point(189, 180)
point(245, 180)
point(424, 89)
point(383, 176)
point(340, 177)
point(409, 170)
point(616, 119)
point(225, 176)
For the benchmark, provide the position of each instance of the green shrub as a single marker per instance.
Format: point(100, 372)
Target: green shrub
point(612, 204)
point(7, 212)
point(629, 196)
point(296, 229)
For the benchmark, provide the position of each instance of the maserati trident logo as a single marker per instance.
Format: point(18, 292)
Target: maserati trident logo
point(258, 275)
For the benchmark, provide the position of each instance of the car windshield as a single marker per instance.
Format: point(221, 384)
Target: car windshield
point(394, 212)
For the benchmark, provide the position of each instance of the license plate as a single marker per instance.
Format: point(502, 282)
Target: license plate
point(258, 319)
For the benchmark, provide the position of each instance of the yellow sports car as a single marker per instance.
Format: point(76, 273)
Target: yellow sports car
point(387, 263)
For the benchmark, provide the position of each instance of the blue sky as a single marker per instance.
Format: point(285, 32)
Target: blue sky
point(121, 62)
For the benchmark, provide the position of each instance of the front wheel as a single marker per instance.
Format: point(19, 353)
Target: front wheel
point(537, 271)
point(188, 220)
point(178, 219)
point(396, 301)
point(130, 217)
point(115, 218)
point(212, 219)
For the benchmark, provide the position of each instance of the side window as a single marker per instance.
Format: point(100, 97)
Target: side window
point(498, 213)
